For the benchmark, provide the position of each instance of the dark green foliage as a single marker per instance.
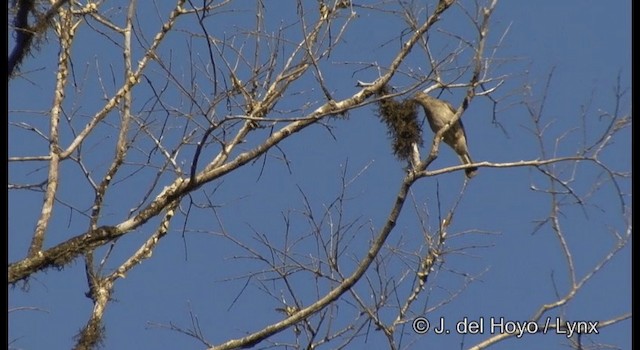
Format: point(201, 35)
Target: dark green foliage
point(401, 118)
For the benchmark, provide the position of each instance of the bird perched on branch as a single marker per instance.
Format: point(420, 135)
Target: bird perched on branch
point(439, 113)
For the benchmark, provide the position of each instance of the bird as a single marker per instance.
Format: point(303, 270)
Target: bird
point(439, 113)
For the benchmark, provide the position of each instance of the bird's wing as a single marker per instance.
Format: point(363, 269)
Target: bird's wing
point(453, 110)
point(463, 132)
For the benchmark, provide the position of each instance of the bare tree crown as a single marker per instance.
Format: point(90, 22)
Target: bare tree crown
point(218, 155)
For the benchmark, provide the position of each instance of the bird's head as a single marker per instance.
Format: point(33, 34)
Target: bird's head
point(423, 98)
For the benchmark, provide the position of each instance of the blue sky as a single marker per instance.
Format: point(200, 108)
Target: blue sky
point(586, 44)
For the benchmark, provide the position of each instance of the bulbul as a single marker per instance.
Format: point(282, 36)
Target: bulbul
point(439, 113)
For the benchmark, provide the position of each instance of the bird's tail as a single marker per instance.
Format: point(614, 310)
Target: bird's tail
point(466, 159)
